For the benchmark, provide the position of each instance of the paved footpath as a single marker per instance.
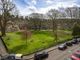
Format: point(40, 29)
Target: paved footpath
point(3, 51)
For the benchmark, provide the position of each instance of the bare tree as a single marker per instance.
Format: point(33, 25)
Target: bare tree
point(79, 12)
point(72, 12)
point(53, 14)
point(76, 12)
point(6, 6)
point(69, 12)
point(37, 18)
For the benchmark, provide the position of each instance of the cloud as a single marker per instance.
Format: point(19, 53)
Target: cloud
point(28, 10)
point(30, 6)
point(49, 1)
point(30, 2)
point(34, 2)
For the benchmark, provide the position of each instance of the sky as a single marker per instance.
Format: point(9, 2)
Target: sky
point(27, 7)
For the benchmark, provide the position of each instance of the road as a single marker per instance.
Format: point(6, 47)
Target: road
point(2, 49)
point(61, 55)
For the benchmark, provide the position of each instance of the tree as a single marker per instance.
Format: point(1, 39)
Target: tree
point(79, 12)
point(72, 12)
point(69, 12)
point(26, 34)
point(62, 14)
point(36, 19)
point(76, 30)
point(53, 14)
point(6, 7)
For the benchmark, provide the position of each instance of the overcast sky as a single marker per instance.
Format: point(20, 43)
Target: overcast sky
point(27, 7)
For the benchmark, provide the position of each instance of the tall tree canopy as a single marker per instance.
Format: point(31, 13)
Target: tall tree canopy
point(6, 8)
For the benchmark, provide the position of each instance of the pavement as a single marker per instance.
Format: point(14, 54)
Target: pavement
point(3, 51)
point(55, 54)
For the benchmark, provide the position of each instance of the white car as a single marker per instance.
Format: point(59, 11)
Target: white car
point(12, 57)
point(18, 56)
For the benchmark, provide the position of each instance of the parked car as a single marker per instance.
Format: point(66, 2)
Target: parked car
point(69, 43)
point(8, 57)
point(40, 56)
point(74, 56)
point(12, 57)
point(74, 41)
point(62, 47)
point(78, 39)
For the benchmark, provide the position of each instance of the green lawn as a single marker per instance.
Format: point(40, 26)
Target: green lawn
point(38, 41)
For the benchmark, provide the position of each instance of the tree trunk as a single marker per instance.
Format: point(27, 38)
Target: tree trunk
point(39, 26)
point(3, 33)
point(53, 26)
point(55, 30)
point(56, 37)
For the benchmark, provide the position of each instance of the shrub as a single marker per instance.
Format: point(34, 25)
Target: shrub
point(76, 30)
point(19, 32)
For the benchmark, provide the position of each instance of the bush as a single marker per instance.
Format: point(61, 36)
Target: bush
point(19, 32)
point(76, 30)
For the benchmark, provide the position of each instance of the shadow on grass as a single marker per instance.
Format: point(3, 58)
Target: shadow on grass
point(48, 33)
point(17, 48)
